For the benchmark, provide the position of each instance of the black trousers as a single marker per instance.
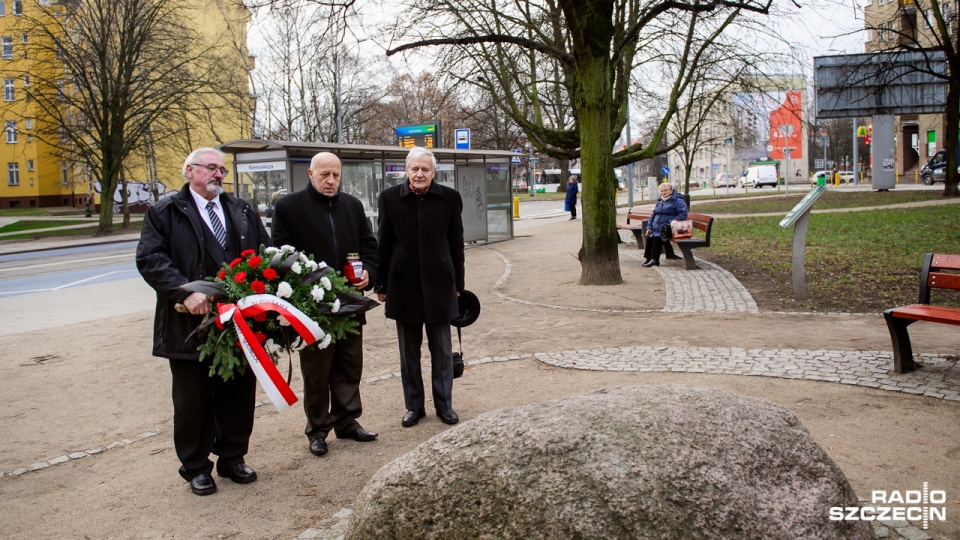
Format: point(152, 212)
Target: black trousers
point(410, 336)
point(331, 387)
point(573, 210)
point(652, 248)
point(210, 415)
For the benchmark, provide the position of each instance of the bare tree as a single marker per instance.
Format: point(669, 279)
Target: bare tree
point(107, 71)
point(590, 49)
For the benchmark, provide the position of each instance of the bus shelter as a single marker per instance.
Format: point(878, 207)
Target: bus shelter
point(266, 170)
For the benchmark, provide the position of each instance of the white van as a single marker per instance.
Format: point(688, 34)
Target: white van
point(759, 176)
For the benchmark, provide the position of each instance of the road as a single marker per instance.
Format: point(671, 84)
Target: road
point(56, 269)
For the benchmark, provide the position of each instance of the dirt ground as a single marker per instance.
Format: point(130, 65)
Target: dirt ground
point(82, 386)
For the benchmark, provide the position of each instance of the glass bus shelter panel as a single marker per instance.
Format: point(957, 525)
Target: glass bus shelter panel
point(394, 175)
point(362, 180)
point(499, 205)
point(446, 176)
point(262, 189)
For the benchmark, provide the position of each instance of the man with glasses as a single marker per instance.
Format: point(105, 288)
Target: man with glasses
point(186, 238)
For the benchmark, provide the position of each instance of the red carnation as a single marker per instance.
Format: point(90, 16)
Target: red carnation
point(222, 275)
point(270, 273)
point(261, 337)
point(247, 252)
point(254, 262)
point(235, 262)
point(240, 277)
point(257, 286)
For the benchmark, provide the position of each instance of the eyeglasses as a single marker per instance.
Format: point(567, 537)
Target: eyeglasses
point(213, 168)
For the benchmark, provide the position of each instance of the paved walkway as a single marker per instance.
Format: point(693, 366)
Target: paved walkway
point(708, 290)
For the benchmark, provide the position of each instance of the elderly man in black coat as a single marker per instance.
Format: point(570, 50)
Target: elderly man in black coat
point(186, 238)
point(421, 252)
point(323, 222)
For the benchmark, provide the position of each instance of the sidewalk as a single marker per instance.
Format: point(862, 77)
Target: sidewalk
point(106, 462)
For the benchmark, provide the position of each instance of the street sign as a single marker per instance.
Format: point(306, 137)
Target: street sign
point(769, 148)
point(818, 164)
point(715, 166)
point(515, 160)
point(665, 170)
point(534, 160)
point(728, 141)
point(462, 138)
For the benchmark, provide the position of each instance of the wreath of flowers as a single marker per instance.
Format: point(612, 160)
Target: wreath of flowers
point(312, 287)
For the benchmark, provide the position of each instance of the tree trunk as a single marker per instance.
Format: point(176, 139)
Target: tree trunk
point(599, 256)
point(125, 204)
point(951, 129)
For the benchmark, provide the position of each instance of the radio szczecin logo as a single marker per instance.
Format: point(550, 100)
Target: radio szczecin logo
point(911, 505)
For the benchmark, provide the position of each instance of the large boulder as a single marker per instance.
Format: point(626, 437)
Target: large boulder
point(655, 461)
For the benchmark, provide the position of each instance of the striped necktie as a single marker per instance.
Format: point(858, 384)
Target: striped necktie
point(217, 225)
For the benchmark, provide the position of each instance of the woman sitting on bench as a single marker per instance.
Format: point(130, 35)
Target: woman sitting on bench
point(669, 207)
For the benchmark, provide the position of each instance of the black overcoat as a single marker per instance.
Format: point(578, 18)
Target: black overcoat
point(421, 253)
point(326, 228)
point(173, 251)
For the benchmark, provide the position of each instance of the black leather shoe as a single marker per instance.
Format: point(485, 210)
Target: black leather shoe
point(318, 447)
point(360, 435)
point(203, 484)
point(411, 418)
point(240, 473)
point(650, 263)
point(448, 416)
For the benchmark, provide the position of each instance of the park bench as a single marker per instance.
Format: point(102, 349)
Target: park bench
point(939, 271)
point(636, 223)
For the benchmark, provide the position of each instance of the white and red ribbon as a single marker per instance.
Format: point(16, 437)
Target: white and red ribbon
point(270, 379)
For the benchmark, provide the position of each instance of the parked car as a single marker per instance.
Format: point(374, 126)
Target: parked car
point(758, 176)
point(845, 176)
point(935, 170)
point(725, 180)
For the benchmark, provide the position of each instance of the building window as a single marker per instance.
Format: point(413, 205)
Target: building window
point(3, 8)
point(63, 134)
point(11, 131)
point(8, 90)
point(13, 174)
point(30, 165)
point(18, 7)
point(59, 48)
point(60, 95)
point(64, 173)
point(7, 44)
point(29, 123)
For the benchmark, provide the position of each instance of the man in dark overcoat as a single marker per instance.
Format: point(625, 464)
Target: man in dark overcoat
point(321, 221)
point(186, 238)
point(421, 261)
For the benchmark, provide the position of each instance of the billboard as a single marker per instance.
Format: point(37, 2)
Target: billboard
point(426, 135)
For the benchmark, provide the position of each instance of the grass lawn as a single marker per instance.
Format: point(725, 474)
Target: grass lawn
point(864, 261)
point(36, 224)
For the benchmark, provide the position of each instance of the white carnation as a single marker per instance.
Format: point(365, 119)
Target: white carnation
point(296, 268)
point(303, 258)
point(282, 321)
point(326, 283)
point(284, 290)
point(271, 250)
point(287, 248)
point(311, 265)
point(317, 293)
point(325, 343)
point(336, 305)
point(322, 264)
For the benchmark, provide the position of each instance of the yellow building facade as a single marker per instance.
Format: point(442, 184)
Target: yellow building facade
point(35, 176)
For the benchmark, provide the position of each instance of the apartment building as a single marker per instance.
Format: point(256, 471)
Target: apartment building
point(895, 24)
point(36, 173)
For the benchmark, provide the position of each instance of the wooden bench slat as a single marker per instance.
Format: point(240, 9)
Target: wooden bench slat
point(939, 280)
point(924, 312)
point(945, 262)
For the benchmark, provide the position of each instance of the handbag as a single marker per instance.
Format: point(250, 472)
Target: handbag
point(566, 207)
point(682, 229)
